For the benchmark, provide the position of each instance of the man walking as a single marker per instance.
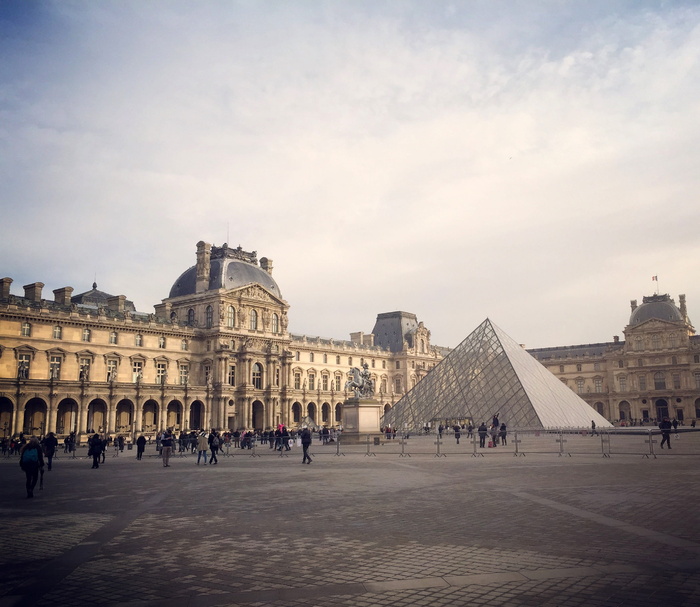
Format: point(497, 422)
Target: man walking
point(305, 442)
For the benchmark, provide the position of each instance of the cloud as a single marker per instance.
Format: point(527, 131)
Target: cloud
point(456, 160)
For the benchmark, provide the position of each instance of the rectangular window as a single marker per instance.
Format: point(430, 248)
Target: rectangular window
point(161, 373)
point(277, 377)
point(561, 368)
point(398, 384)
point(676, 381)
point(86, 334)
point(596, 366)
point(324, 379)
point(232, 375)
point(598, 384)
point(183, 345)
point(312, 381)
point(57, 332)
point(55, 367)
point(161, 343)
point(337, 383)
point(697, 381)
point(207, 374)
point(398, 364)
point(579, 386)
point(623, 384)
point(113, 338)
point(184, 374)
point(136, 371)
point(642, 382)
point(111, 370)
point(297, 381)
point(26, 329)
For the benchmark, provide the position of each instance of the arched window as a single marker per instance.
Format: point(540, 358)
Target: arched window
point(275, 323)
point(253, 320)
point(311, 357)
point(257, 376)
point(422, 346)
point(210, 317)
point(190, 317)
point(337, 360)
point(230, 317)
point(659, 381)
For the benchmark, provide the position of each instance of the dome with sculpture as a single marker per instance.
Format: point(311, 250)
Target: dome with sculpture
point(229, 268)
point(658, 307)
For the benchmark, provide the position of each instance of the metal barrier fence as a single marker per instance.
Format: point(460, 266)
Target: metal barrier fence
point(519, 442)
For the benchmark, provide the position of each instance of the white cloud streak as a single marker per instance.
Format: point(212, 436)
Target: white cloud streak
point(465, 160)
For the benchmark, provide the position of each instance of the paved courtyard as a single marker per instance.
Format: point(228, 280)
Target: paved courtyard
point(358, 529)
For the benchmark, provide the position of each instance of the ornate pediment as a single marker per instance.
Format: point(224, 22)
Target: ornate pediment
point(258, 293)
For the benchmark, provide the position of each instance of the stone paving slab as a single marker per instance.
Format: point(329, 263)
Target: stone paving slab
point(354, 530)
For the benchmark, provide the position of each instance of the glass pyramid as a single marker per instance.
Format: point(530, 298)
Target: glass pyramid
point(489, 373)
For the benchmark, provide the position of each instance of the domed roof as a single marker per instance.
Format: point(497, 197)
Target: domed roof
point(660, 307)
point(229, 269)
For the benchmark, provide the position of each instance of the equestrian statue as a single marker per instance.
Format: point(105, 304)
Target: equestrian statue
point(361, 382)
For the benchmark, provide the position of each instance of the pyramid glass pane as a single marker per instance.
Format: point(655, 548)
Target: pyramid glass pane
point(489, 373)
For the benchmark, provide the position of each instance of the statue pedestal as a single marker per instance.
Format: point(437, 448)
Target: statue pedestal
point(361, 417)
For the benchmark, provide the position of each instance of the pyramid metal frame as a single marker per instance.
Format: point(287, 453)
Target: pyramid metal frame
point(490, 373)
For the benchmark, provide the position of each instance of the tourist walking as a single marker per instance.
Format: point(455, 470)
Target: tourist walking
point(140, 446)
point(95, 449)
point(665, 427)
point(214, 446)
point(305, 442)
point(31, 461)
point(50, 447)
point(202, 447)
point(166, 442)
point(458, 432)
point(483, 433)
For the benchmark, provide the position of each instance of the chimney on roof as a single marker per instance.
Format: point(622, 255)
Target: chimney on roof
point(116, 303)
point(63, 295)
point(203, 266)
point(616, 339)
point(266, 264)
point(5, 288)
point(32, 291)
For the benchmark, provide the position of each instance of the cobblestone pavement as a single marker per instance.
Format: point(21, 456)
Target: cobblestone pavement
point(355, 530)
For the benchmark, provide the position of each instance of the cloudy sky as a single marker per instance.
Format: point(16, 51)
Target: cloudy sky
point(533, 162)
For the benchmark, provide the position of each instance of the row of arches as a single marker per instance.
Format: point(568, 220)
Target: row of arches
point(656, 410)
point(37, 418)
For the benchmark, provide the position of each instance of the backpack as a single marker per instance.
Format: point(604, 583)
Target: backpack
point(215, 442)
point(30, 456)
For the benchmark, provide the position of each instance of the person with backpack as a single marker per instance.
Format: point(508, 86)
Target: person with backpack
point(31, 461)
point(214, 446)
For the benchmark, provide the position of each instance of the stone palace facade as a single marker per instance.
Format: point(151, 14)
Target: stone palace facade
point(217, 353)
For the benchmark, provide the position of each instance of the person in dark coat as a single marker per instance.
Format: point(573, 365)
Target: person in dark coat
point(483, 433)
point(665, 427)
point(503, 434)
point(95, 449)
point(458, 432)
point(140, 446)
point(50, 446)
point(305, 442)
point(31, 461)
